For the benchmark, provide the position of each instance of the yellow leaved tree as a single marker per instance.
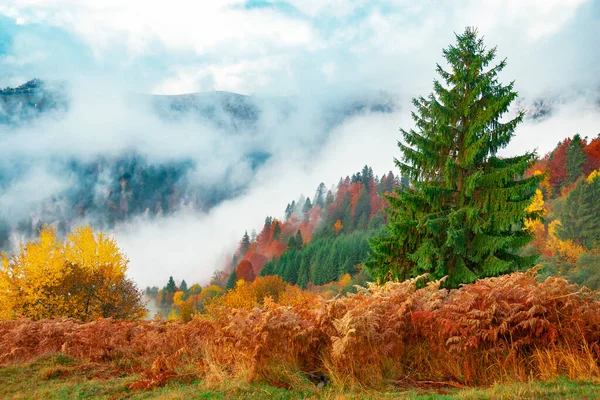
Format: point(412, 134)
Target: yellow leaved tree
point(82, 277)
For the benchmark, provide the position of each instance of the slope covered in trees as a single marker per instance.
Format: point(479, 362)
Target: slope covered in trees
point(318, 240)
point(568, 238)
point(115, 185)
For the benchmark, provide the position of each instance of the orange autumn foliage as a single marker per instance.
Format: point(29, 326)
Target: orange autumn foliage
point(338, 226)
point(511, 328)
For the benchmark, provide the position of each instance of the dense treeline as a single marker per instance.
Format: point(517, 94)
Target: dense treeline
point(323, 260)
point(318, 240)
point(568, 239)
point(572, 158)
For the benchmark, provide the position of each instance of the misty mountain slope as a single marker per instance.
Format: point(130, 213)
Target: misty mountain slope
point(29, 100)
point(192, 151)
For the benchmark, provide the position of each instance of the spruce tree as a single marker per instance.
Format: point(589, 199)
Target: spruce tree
point(276, 231)
point(171, 286)
point(299, 240)
point(463, 214)
point(244, 244)
point(183, 286)
point(579, 214)
point(575, 159)
point(291, 244)
point(306, 208)
point(329, 198)
point(320, 193)
point(231, 280)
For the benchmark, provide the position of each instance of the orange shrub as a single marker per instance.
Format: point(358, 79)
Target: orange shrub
point(513, 327)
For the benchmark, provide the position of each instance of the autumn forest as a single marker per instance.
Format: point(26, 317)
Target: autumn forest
point(462, 269)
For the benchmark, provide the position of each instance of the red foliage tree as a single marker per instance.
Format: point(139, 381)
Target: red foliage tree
point(257, 260)
point(592, 150)
point(245, 271)
point(557, 165)
point(355, 191)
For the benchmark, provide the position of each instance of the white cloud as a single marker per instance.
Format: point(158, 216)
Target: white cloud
point(178, 25)
point(27, 194)
point(578, 115)
point(245, 76)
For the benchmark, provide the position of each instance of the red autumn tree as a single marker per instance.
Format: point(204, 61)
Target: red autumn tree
point(592, 150)
point(245, 271)
point(557, 165)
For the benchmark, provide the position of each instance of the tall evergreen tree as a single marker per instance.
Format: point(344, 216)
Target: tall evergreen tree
point(329, 198)
point(463, 215)
point(244, 244)
point(306, 208)
point(231, 280)
point(580, 212)
point(183, 286)
point(576, 159)
point(299, 240)
point(171, 286)
point(291, 244)
point(276, 231)
point(320, 193)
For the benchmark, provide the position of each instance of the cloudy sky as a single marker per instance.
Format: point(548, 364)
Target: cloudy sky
point(312, 49)
point(283, 47)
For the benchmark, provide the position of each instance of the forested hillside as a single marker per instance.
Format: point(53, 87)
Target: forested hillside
point(569, 197)
point(106, 190)
point(324, 239)
point(315, 242)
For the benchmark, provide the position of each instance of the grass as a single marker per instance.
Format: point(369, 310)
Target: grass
point(61, 377)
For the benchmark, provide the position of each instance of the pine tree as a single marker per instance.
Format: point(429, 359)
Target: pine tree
point(171, 287)
point(579, 214)
point(268, 221)
point(231, 280)
point(183, 286)
point(463, 215)
point(299, 240)
point(289, 210)
point(244, 244)
point(306, 208)
point(291, 244)
point(276, 230)
point(319, 198)
point(329, 198)
point(576, 159)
